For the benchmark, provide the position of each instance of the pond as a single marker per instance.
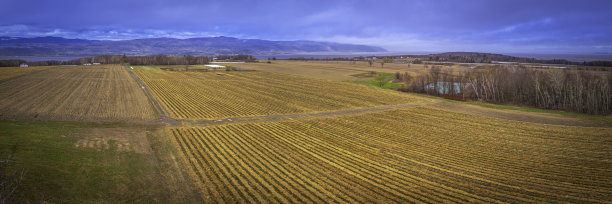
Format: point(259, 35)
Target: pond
point(444, 87)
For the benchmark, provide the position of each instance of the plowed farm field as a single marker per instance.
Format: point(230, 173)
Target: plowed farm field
point(215, 95)
point(92, 93)
point(10, 72)
point(418, 154)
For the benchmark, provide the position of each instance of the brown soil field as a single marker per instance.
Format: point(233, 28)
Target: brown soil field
point(211, 95)
point(92, 93)
point(335, 70)
point(10, 72)
point(292, 132)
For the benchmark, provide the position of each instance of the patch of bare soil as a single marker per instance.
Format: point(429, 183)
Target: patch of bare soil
point(122, 139)
point(544, 118)
point(167, 172)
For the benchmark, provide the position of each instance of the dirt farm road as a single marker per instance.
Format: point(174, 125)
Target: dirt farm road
point(166, 119)
point(161, 111)
point(297, 116)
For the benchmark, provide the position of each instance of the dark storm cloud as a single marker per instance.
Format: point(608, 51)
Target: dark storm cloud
point(476, 25)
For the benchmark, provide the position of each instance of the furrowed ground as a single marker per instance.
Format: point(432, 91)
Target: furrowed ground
point(337, 70)
point(92, 93)
point(417, 154)
point(215, 95)
point(291, 139)
point(10, 72)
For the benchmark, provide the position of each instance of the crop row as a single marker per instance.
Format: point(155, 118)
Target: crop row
point(10, 72)
point(408, 155)
point(105, 92)
point(239, 94)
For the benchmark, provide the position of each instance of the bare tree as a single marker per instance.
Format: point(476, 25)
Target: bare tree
point(385, 60)
point(580, 91)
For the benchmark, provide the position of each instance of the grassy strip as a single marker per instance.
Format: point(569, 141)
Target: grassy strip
point(537, 110)
point(58, 172)
point(375, 82)
point(526, 109)
point(378, 81)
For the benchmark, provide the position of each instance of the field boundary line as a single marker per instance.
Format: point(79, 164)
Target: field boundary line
point(161, 111)
point(297, 116)
point(166, 119)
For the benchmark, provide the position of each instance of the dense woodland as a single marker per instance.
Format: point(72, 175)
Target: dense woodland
point(476, 57)
point(134, 60)
point(245, 58)
point(560, 89)
point(462, 57)
point(320, 59)
point(11, 63)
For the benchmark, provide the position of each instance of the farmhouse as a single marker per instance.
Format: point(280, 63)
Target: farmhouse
point(23, 65)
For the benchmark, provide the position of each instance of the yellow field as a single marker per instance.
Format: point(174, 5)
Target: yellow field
point(10, 72)
point(408, 155)
point(336, 70)
point(209, 95)
point(288, 138)
point(105, 92)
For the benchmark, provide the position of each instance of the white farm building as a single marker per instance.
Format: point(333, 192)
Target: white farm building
point(214, 66)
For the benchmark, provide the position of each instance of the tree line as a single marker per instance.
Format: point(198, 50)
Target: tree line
point(245, 58)
point(465, 57)
point(559, 89)
point(319, 59)
point(134, 60)
point(116, 59)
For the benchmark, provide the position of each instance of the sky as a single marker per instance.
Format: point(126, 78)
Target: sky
point(502, 26)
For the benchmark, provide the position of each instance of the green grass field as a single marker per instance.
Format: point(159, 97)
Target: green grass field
point(383, 80)
point(58, 172)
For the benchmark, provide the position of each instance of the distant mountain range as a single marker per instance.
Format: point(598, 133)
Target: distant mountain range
point(57, 46)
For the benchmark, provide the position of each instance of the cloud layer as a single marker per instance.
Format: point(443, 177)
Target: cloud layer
point(421, 25)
